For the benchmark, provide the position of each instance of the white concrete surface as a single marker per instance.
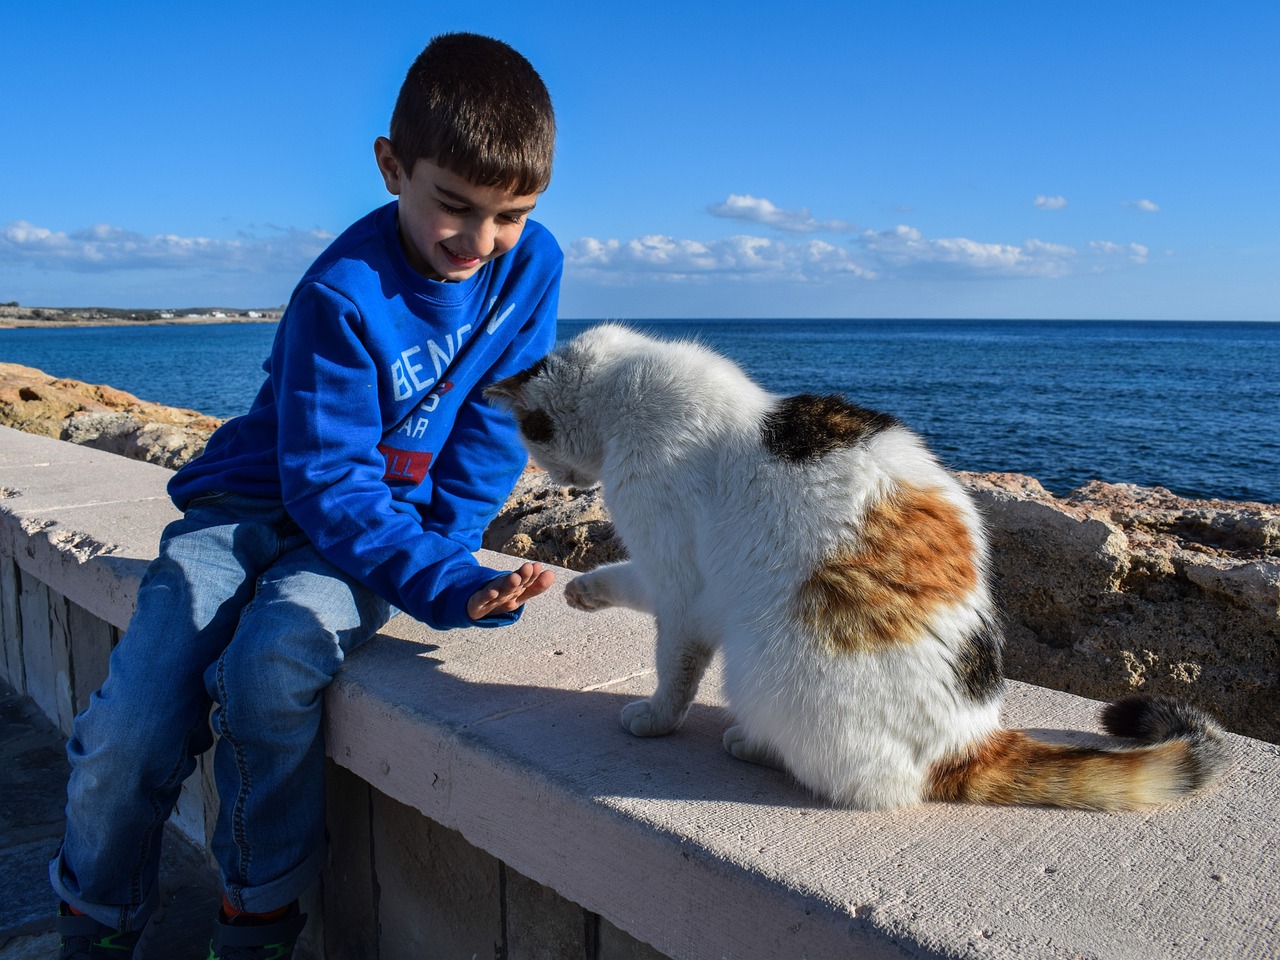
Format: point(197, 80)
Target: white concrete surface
point(511, 738)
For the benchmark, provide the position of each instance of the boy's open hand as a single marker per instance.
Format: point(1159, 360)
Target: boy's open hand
point(506, 593)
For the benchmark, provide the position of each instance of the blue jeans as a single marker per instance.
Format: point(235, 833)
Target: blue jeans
point(240, 613)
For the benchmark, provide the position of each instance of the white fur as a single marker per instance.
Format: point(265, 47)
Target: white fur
point(722, 535)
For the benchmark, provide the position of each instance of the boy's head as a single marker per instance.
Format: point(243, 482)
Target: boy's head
point(476, 107)
point(472, 138)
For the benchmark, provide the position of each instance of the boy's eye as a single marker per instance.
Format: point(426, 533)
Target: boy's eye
point(512, 218)
point(452, 210)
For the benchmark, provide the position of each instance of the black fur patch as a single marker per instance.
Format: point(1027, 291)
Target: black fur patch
point(807, 427)
point(1154, 720)
point(979, 665)
point(524, 376)
point(509, 386)
point(537, 426)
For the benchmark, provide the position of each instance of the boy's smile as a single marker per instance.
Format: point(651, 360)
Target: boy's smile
point(449, 226)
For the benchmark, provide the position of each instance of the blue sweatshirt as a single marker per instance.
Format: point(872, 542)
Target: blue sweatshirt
point(371, 427)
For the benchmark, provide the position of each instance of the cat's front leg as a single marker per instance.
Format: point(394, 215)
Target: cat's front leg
point(682, 659)
point(612, 585)
point(743, 746)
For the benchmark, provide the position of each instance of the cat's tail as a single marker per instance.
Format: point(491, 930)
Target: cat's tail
point(1180, 752)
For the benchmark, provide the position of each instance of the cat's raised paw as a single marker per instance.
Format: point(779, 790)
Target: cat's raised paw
point(584, 593)
point(641, 721)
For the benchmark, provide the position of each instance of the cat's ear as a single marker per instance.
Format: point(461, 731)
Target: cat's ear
point(510, 391)
point(506, 392)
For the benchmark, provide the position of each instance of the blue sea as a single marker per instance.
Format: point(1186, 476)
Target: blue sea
point(1194, 407)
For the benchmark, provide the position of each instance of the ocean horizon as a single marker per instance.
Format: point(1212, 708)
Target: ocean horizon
point(1192, 406)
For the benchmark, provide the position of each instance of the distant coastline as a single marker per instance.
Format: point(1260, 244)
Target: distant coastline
point(13, 315)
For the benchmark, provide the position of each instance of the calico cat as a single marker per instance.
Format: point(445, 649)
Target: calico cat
point(842, 571)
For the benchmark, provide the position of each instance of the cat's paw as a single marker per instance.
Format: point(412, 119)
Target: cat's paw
point(737, 742)
point(639, 718)
point(586, 593)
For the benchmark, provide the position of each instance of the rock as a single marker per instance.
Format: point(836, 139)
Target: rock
point(1115, 588)
point(545, 522)
point(101, 417)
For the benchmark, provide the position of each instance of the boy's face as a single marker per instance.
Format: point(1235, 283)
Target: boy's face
point(449, 226)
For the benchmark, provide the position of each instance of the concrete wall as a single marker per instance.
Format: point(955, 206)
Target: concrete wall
point(484, 801)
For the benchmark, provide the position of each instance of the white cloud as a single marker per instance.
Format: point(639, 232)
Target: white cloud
point(1050, 203)
point(1146, 206)
point(1134, 252)
point(906, 251)
point(901, 252)
point(743, 256)
point(106, 247)
point(743, 206)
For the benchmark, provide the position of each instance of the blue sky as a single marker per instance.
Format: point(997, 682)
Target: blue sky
point(844, 159)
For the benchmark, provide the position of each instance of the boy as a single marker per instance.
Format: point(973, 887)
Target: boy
point(362, 478)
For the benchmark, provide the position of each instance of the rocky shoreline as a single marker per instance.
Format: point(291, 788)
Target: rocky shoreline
point(1108, 590)
point(101, 417)
point(13, 315)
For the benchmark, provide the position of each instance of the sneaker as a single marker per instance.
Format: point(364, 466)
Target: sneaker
point(84, 938)
point(273, 940)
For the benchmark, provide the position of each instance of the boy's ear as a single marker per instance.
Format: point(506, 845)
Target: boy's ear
point(390, 168)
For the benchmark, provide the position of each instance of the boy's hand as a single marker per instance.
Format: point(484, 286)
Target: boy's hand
point(506, 593)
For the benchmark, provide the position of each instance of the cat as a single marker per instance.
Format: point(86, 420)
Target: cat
point(841, 570)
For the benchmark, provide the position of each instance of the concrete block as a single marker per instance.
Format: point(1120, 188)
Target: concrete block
point(209, 794)
point(93, 640)
point(60, 642)
point(615, 944)
point(350, 927)
point(84, 522)
point(511, 737)
point(196, 809)
point(10, 625)
point(438, 896)
point(542, 925)
point(40, 473)
point(37, 648)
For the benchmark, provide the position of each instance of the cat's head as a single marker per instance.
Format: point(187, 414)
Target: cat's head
point(554, 402)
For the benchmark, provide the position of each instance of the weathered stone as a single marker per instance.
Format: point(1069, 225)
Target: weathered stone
point(1115, 588)
point(101, 417)
point(545, 522)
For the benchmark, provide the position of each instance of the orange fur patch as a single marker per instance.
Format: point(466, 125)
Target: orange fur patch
point(1011, 768)
point(914, 553)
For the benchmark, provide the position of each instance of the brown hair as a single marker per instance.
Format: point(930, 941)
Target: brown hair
point(476, 107)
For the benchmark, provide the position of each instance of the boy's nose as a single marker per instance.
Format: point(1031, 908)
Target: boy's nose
point(480, 238)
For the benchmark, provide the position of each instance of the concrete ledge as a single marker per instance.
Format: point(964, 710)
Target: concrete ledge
point(511, 739)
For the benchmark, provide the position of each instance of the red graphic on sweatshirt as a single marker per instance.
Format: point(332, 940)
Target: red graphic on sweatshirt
point(405, 466)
